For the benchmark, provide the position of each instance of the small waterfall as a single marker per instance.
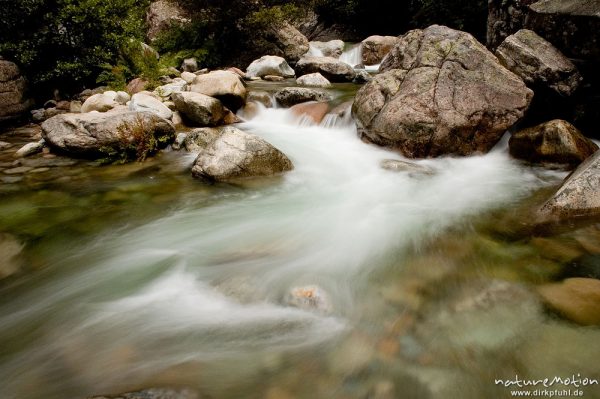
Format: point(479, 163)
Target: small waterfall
point(314, 51)
point(352, 55)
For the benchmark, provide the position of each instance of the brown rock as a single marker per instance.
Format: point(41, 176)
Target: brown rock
point(578, 196)
point(316, 111)
point(108, 135)
point(236, 154)
point(556, 141)
point(375, 48)
point(295, 95)
point(137, 85)
point(225, 86)
point(162, 15)
point(331, 68)
point(577, 299)
point(13, 92)
point(441, 92)
point(199, 108)
point(538, 62)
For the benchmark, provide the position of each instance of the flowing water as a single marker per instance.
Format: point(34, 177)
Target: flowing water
point(149, 278)
point(352, 55)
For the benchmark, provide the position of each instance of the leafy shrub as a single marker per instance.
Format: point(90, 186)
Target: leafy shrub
point(65, 43)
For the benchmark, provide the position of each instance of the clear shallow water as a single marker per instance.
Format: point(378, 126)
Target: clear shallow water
point(184, 284)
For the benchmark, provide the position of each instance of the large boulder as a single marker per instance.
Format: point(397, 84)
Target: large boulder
point(578, 196)
point(162, 15)
point(225, 86)
point(199, 139)
point(13, 92)
point(573, 26)
point(556, 141)
point(441, 92)
point(236, 154)
point(145, 102)
point(289, 41)
point(505, 17)
point(538, 62)
point(270, 65)
point(281, 39)
point(375, 48)
point(331, 68)
point(199, 108)
point(331, 48)
point(313, 80)
point(295, 95)
point(112, 135)
point(100, 102)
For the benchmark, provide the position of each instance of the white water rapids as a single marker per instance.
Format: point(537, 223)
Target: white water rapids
point(209, 282)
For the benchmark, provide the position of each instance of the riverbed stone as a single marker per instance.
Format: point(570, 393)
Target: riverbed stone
point(310, 297)
point(14, 101)
point(188, 77)
point(144, 103)
point(166, 90)
point(108, 135)
point(440, 92)
point(30, 149)
point(261, 97)
point(313, 110)
point(200, 138)
point(505, 17)
point(331, 68)
point(577, 299)
point(554, 142)
point(99, 102)
point(331, 48)
point(313, 80)
point(225, 86)
point(375, 48)
point(137, 85)
point(236, 154)
point(538, 63)
point(578, 196)
point(270, 65)
point(295, 95)
point(199, 108)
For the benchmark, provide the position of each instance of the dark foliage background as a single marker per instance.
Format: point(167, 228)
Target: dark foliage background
point(69, 43)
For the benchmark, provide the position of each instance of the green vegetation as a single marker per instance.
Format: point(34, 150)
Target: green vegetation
point(64, 43)
point(71, 44)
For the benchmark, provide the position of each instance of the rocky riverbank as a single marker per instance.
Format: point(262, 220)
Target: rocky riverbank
point(433, 98)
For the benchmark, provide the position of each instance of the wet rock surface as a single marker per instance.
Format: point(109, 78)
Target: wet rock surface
point(14, 101)
point(199, 108)
point(331, 68)
point(578, 196)
point(99, 135)
point(236, 154)
point(553, 142)
point(577, 299)
point(539, 63)
point(440, 92)
point(296, 95)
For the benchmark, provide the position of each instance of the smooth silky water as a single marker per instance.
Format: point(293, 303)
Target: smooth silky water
point(140, 276)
